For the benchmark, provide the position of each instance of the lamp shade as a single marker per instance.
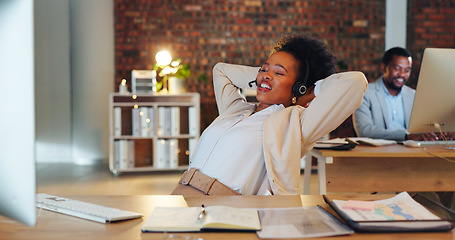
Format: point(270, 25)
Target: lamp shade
point(163, 58)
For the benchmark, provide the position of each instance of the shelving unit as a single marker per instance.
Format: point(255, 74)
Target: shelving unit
point(152, 132)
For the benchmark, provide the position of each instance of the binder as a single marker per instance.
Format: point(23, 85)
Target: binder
point(192, 121)
point(167, 121)
point(125, 153)
point(161, 121)
point(131, 154)
point(160, 159)
point(175, 121)
point(117, 121)
point(151, 124)
point(117, 154)
point(135, 122)
point(121, 154)
point(173, 153)
point(144, 121)
point(167, 153)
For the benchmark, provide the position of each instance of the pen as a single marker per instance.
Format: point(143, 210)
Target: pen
point(202, 214)
point(351, 142)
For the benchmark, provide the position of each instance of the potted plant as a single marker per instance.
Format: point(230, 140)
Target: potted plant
point(171, 74)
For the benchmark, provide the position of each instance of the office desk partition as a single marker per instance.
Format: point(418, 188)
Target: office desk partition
point(391, 168)
point(52, 225)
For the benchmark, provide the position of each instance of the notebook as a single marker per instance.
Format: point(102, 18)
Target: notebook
point(195, 219)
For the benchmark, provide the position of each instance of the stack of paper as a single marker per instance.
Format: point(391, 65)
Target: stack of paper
point(372, 141)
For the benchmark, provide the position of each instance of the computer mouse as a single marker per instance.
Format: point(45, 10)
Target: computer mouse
point(411, 143)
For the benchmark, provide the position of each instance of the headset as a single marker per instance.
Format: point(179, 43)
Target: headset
point(299, 89)
point(253, 82)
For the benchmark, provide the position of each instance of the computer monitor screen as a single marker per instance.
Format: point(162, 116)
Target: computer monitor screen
point(17, 121)
point(434, 101)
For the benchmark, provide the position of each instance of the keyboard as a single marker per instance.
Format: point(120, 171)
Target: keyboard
point(437, 143)
point(83, 210)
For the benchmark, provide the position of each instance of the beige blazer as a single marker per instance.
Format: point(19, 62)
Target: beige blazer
point(292, 132)
point(371, 118)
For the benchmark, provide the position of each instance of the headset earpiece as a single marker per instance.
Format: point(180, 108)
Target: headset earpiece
point(299, 88)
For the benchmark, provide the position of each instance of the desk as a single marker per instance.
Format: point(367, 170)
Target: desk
point(52, 225)
point(382, 169)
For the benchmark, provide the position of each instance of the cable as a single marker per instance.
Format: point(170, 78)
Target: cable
point(435, 155)
point(39, 212)
point(437, 126)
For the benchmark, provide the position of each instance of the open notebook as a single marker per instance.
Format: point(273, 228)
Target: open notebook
point(195, 219)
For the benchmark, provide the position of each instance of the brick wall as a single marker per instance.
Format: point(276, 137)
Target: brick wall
point(204, 32)
point(430, 24)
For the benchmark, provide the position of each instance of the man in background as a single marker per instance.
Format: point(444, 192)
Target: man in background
point(386, 108)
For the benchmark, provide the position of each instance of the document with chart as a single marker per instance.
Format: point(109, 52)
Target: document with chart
point(396, 214)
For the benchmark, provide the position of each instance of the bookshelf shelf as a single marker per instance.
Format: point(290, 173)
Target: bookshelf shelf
point(152, 132)
point(148, 169)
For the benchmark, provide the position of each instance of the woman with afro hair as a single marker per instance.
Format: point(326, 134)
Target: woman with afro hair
point(255, 148)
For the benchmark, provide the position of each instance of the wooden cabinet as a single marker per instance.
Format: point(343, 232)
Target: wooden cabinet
point(152, 132)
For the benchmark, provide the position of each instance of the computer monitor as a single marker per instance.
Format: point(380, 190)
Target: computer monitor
point(434, 101)
point(17, 109)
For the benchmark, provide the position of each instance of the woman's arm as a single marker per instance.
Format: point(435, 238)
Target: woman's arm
point(338, 96)
point(227, 80)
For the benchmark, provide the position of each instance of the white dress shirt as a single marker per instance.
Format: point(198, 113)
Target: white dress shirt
point(236, 141)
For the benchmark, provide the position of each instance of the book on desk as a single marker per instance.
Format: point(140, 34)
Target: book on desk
point(195, 219)
point(401, 213)
point(351, 142)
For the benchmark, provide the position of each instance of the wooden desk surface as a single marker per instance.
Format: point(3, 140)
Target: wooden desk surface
point(52, 225)
point(389, 151)
point(388, 169)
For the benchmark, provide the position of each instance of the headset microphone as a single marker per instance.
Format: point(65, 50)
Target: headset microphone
point(252, 82)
